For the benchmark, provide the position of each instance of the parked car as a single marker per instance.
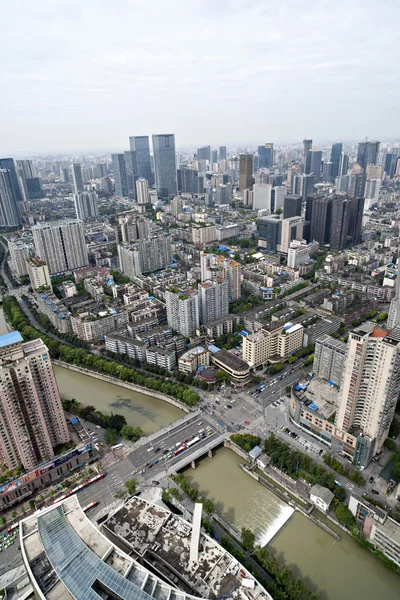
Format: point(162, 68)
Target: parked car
point(375, 492)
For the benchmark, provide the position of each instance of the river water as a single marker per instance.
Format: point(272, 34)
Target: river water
point(337, 570)
point(139, 409)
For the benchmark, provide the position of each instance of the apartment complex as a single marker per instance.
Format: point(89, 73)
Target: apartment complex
point(145, 255)
point(61, 244)
point(216, 267)
point(273, 341)
point(213, 300)
point(86, 205)
point(32, 421)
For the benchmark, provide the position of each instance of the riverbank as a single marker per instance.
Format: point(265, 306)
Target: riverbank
point(123, 384)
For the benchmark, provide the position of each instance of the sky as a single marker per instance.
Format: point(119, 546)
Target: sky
point(87, 74)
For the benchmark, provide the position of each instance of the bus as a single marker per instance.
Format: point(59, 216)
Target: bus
point(89, 506)
point(193, 442)
point(12, 527)
point(180, 449)
point(80, 487)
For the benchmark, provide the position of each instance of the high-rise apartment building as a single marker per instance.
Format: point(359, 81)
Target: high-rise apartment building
point(245, 171)
point(177, 204)
point(144, 255)
point(265, 156)
point(313, 164)
point(394, 310)
point(140, 145)
point(277, 197)
point(61, 244)
point(86, 205)
point(269, 231)
point(142, 191)
point(9, 207)
point(165, 165)
point(32, 420)
point(223, 192)
point(9, 165)
point(274, 339)
point(30, 185)
point(370, 388)
point(367, 153)
point(77, 178)
point(38, 272)
point(188, 181)
point(100, 170)
point(19, 253)
point(329, 359)
point(131, 228)
point(336, 155)
point(220, 267)
point(183, 313)
point(119, 172)
point(222, 153)
point(213, 299)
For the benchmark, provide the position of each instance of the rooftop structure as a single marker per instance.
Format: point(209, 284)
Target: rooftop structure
point(66, 557)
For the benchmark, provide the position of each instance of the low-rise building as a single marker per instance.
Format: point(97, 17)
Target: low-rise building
point(221, 326)
point(191, 360)
point(321, 497)
point(68, 289)
point(49, 305)
point(321, 327)
point(237, 369)
point(162, 357)
point(95, 322)
point(121, 343)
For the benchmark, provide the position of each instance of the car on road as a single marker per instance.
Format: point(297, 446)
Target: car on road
point(247, 422)
point(371, 479)
point(375, 492)
point(217, 402)
point(157, 450)
point(155, 461)
point(150, 449)
point(165, 451)
point(134, 472)
point(98, 427)
point(229, 405)
point(155, 481)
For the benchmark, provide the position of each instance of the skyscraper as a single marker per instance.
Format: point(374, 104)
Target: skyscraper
point(61, 244)
point(307, 145)
point(223, 192)
point(131, 172)
point(292, 206)
point(19, 253)
point(165, 165)
point(38, 272)
point(214, 301)
point(343, 165)
point(204, 153)
point(394, 311)
point(119, 172)
point(8, 163)
point(188, 180)
point(265, 156)
point(142, 191)
point(183, 313)
point(222, 153)
point(32, 420)
point(86, 205)
point(321, 219)
point(77, 178)
point(367, 153)
point(340, 221)
point(313, 164)
point(140, 145)
point(269, 230)
point(245, 171)
point(262, 196)
point(9, 208)
point(370, 388)
point(336, 155)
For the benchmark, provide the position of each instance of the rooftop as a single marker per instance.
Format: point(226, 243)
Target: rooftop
point(233, 362)
point(14, 337)
point(318, 396)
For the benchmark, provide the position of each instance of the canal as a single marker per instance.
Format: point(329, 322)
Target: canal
point(337, 570)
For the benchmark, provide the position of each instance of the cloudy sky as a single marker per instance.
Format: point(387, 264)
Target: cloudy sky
point(86, 74)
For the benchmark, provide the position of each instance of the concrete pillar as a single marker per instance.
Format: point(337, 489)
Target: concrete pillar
point(210, 454)
point(193, 464)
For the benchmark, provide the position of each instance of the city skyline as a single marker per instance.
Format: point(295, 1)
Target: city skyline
point(160, 79)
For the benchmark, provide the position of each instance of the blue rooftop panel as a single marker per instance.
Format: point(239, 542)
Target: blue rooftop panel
point(10, 338)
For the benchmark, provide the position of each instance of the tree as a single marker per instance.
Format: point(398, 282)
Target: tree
point(31, 504)
point(67, 483)
point(51, 492)
point(390, 445)
point(110, 436)
point(208, 506)
point(13, 514)
point(208, 528)
point(131, 433)
point(130, 485)
point(222, 377)
point(2, 520)
point(340, 493)
point(344, 516)
point(248, 539)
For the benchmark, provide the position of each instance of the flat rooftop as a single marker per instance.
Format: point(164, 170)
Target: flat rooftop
point(14, 337)
point(164, 542)
point(230, 360)
point(318, 396)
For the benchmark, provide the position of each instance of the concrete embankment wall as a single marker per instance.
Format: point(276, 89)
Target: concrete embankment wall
point(124, 384)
